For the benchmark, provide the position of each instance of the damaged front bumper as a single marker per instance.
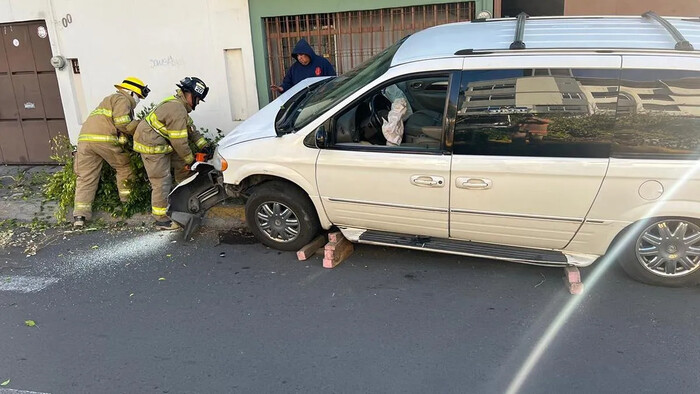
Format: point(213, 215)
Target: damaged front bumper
point(190, 200)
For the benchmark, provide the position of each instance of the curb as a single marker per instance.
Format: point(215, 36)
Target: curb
point(26, 208)
point(225, 216)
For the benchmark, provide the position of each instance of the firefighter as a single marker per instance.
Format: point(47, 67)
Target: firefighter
point(163, 138)
point(101, 139)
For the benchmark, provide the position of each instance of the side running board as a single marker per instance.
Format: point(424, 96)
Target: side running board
point(465, 248)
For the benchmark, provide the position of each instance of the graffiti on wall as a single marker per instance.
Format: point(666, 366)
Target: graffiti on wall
point(167, 61)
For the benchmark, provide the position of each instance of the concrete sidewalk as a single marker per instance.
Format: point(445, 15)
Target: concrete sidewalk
point(21, 199)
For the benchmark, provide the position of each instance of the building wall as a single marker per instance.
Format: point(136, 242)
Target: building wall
point(632, 7)
point(260, 9)
point(511, 8)
point(159, 41)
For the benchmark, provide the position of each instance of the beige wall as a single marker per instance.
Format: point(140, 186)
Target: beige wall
point(160, 49)
point(632, 7)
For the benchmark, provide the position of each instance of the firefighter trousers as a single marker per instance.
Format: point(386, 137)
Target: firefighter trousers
point(88, 166)
point(158, 167)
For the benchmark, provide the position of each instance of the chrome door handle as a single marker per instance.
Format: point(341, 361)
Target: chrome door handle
point(428, 181)
point(473, 183)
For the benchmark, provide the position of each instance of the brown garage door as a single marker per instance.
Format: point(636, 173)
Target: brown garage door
point(31, 113)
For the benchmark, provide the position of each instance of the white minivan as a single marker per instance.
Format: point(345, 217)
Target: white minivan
point(536, 140)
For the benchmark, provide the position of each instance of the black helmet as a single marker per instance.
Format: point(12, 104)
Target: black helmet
point(195, 86)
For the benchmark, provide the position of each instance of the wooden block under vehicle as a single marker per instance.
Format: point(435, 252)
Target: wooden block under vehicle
point(575, 288)
point(572, 274)
point(336, 252)
point(335, 236)
point(572, 280)
point(309, 249)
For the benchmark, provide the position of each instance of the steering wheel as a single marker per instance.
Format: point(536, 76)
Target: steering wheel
point(379, 107)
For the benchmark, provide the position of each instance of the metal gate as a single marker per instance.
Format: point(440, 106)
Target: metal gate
point(347, 39)
point(31, 113)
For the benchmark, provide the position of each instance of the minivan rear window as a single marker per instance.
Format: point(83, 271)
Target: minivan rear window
point(658, 114)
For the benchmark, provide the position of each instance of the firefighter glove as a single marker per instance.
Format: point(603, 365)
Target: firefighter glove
point(208, 150)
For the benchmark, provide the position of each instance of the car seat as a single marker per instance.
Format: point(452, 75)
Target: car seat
point(424, 126)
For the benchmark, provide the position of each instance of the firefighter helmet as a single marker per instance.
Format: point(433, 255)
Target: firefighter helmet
point(195, 86)
point(135, 85)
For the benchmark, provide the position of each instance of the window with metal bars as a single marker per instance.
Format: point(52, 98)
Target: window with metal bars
point(347, 39)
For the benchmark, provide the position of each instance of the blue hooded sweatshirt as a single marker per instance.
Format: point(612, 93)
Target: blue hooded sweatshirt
point(317, 67)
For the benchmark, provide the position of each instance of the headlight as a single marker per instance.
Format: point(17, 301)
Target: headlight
point(219, 162)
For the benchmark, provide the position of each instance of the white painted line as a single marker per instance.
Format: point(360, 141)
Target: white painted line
point(13, 391)
point(25, 284)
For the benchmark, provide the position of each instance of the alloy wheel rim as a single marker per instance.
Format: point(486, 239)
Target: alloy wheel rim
point(277, 221)
point(670, 248)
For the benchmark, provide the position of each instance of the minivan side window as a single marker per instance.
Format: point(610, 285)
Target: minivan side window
point(537, 112)
point(406, 114)
point(658, 115)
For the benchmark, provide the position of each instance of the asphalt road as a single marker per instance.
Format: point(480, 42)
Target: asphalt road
point(136, 312)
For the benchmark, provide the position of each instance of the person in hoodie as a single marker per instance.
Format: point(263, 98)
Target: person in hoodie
point(308, 64)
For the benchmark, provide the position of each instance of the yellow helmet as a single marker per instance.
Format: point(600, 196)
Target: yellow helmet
point(135, 85)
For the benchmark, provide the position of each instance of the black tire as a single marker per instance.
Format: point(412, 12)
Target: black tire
point(285, 196)
point(634, 264)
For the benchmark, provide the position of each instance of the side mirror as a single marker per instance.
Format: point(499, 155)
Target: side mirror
point(321, 137)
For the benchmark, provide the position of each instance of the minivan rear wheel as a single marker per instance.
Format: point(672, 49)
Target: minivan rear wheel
point(664, 252)
point(281, 216)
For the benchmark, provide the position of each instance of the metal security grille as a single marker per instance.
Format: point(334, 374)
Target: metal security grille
point(347, 39)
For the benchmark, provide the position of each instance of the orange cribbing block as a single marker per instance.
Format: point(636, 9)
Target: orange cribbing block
point(336, 252)
point(572, 279)
point(335, 236)
point(572, 274)
point(309, 249)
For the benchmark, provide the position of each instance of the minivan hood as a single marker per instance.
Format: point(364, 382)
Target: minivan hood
point(262, 124)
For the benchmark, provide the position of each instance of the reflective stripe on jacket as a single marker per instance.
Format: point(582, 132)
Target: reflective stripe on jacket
point(98, 138)
point(166, 129)
point(160, 128)
point(195, 136)
point(113, 116)
point(152, 150)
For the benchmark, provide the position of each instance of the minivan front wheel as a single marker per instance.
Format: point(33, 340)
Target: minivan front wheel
point(666, 252)
point(281, 216)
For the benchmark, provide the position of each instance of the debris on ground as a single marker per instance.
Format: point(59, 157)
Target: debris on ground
point(30, 237)
point(237, 237)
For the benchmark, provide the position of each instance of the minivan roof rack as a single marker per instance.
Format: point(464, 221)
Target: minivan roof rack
point(681, 43)
point(519, 32)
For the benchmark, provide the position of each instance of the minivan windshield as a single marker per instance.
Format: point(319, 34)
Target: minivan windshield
point(343, 86)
